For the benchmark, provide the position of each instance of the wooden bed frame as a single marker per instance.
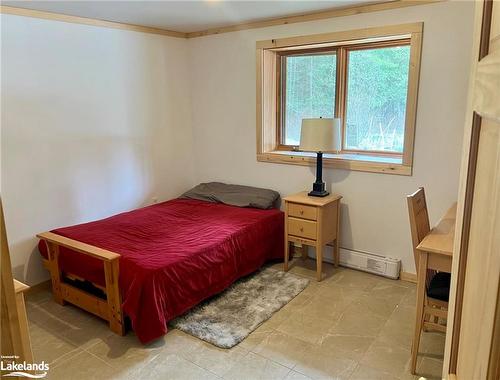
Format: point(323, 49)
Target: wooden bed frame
point(109, 308)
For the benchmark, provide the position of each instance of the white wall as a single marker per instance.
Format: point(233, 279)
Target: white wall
point(374, 216)
point(94, 121)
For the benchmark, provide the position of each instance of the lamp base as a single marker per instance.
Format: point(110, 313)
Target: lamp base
point(318, 190)
point(323, 193)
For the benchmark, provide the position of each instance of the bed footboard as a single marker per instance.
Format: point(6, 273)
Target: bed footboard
point(108, 309)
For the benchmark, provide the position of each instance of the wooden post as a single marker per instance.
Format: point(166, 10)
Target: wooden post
point(111, 272)
point(287, 243)
point(336, 250)
point(55, 272)
point(14, 323)
point(20, 288)
point(421, 273)
point(319, 244)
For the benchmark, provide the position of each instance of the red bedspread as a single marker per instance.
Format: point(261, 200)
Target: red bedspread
point(175, 254)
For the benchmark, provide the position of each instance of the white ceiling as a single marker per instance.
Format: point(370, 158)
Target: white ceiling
point(184, 16)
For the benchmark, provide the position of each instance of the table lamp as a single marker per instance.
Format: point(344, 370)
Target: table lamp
point(320, 135)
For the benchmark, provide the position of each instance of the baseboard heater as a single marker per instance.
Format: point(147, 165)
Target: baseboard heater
point(369, 262)
point(364, 261)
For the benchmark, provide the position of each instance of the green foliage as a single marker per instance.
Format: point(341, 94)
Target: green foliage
point(310, 91)
point(377, 84)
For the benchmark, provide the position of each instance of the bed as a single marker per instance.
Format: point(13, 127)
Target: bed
point(153, 264)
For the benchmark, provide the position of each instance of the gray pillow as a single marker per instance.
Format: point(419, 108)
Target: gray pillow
point(235, 195)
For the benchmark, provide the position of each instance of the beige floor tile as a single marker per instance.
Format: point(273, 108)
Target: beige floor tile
point(39, 294)
point(48, 346)
point(405, 315)
point(320, 308)
point(383, 307)
point(294, 375)
point(429, 368)
point(395, 337)
point(87, 331)
point(282, 315)
point(300, 300)
point(256, 367)
point(351, 324)
point(307, 328)
point(349, 346)
point(256, 337)
point(356, 279)
point(307, 268)
point(73, 324)
point(394, 334)
point(339, 296)
point(387, 358)
point(320, 363)
point(168, 366)
point(84, 366)
point(358, 320)
point(390, 291)
point(410, 299)
point(282, 348)
point(432, 345)
point(67, 356)
point(330, 301)
point(217, 360)
point(399, 328)
point(404, 284)
point(126, 353)
point(180, 343)
point(313, 287)
point(44, 312)
point(363, 372)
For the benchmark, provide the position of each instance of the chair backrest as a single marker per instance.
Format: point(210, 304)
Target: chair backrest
point(419, 219)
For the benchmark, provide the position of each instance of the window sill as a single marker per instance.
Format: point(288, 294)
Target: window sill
point(357, 162)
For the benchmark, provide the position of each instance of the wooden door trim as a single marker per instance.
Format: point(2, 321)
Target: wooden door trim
point(484, 44)
point(494, 360)
point(464, 240)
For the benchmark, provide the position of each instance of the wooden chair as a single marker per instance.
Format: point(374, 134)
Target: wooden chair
point(437, 284)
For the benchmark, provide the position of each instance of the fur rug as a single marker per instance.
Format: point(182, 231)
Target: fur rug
point(228, 318)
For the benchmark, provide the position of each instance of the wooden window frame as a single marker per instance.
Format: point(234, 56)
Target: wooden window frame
point(270, 53)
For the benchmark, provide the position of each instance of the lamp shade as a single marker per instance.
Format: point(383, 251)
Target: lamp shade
point(320, 135)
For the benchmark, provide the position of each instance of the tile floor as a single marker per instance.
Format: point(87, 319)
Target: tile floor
point(352, 325)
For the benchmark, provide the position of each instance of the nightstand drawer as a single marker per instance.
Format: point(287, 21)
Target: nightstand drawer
point(302, 211)
point(302, 228)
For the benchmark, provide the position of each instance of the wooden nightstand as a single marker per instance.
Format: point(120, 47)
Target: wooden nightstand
point(312, 221)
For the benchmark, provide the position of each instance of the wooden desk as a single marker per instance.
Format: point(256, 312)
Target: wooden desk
point(438, 244)
point(435, 251)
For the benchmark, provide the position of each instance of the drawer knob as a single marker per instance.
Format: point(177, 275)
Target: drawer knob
point(301, 212)
point(301, 229)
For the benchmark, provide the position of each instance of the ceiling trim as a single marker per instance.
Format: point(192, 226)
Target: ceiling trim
point(313, 16)
point(304, 17)
point(88, 21)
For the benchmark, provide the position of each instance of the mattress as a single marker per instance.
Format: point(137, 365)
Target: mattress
point(174, 255)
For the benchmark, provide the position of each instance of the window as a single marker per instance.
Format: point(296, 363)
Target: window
point(307, 89)
point(375, 100)
point(367, 78)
